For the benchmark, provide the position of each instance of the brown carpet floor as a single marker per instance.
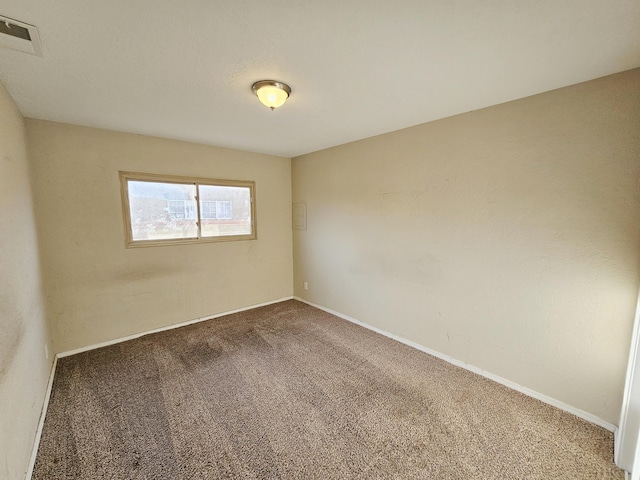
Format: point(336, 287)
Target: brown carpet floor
point(288, 391)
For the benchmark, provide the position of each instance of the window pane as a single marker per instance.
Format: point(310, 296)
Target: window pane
point(225, 210)
point(162, 211)
point(208, 210)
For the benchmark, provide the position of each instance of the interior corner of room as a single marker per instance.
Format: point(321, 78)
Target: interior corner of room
point(505, 240)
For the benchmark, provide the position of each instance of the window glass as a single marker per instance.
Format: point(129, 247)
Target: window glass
point(162, 210)
point(225, 210)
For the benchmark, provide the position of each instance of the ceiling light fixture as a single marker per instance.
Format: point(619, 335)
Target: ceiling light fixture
point(271, 93)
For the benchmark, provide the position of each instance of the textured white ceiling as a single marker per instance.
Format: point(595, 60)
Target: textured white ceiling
point(357, 67)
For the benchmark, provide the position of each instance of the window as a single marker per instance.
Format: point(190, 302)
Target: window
point(180, 209)
point(163, 210)
point(219, 209)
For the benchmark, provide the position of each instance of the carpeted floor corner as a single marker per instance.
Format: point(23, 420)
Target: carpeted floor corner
point(288, 391)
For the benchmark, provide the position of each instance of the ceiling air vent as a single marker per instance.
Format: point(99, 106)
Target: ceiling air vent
point(19, 36)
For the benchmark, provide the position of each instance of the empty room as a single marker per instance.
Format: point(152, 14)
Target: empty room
point(319, 240)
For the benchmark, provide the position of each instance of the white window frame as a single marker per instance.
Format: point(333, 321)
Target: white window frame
point(125, 177)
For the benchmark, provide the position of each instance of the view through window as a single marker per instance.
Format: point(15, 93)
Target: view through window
point(167, 209)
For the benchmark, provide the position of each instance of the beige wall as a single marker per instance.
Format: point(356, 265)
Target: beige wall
point(99, 290)
point(507, 238)
point(24, 369)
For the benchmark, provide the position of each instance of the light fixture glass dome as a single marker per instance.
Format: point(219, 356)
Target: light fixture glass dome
point(271, 93)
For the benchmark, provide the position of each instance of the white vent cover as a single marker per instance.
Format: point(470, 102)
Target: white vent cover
point(19, 36)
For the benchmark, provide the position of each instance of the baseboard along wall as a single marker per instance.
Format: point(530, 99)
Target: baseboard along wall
point(531, 393)
point(43, 414)
point(168, 327)
point(503, 381)
point(45, 405)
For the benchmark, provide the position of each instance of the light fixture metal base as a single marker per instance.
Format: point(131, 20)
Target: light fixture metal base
point(270, 83)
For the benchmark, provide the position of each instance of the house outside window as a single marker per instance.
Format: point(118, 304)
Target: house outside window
point(217, 209)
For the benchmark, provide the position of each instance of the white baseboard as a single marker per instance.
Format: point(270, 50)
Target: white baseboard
point(168, 327)
point(503, 381)
point(45, 405)
point(43, 414)
point(539, 396)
